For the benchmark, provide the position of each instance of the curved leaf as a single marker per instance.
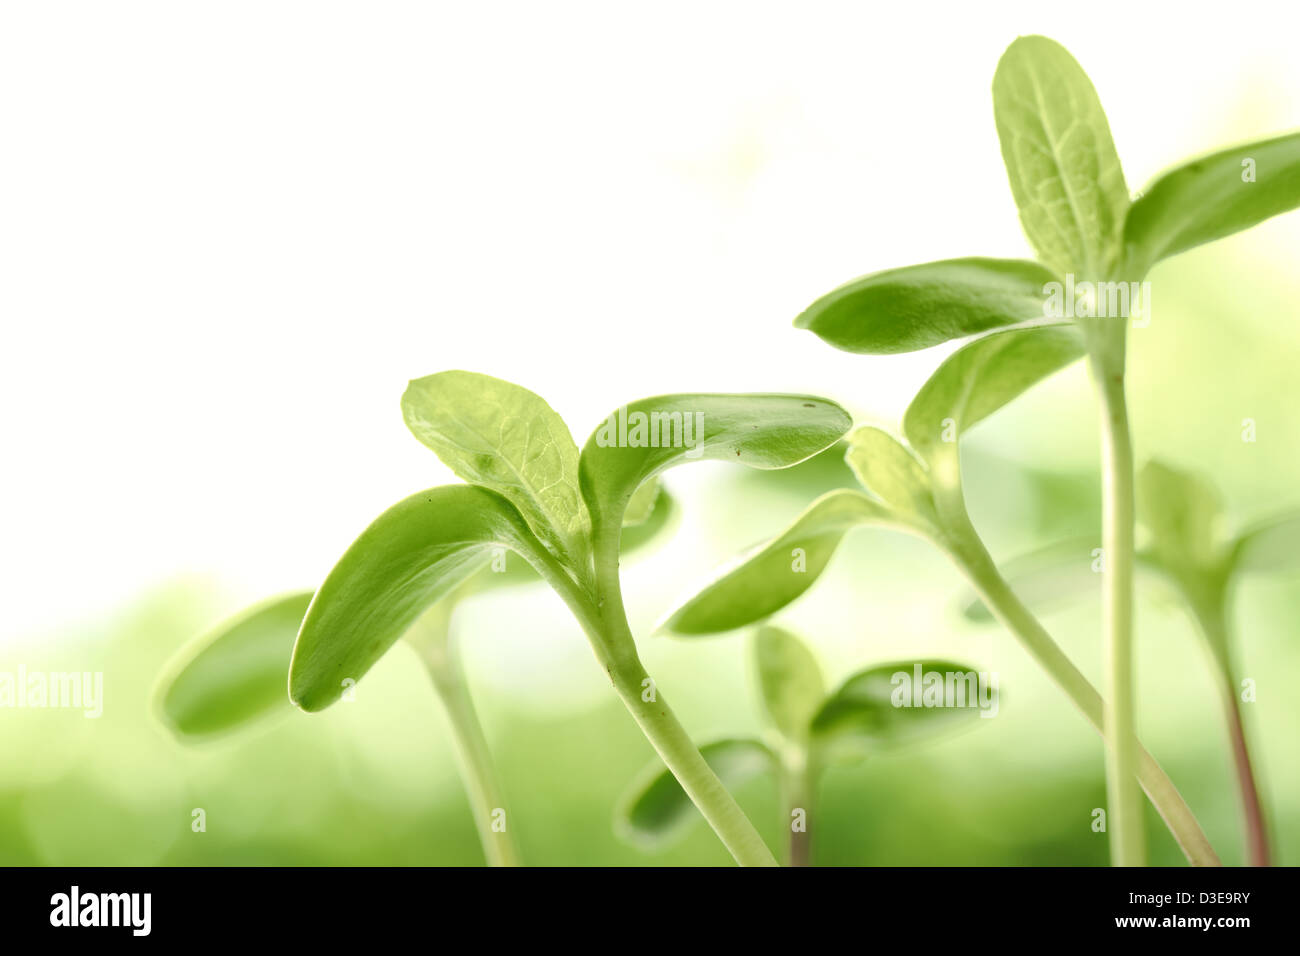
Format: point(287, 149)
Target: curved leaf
point(772, 575)
point(640, 440)
point(902, 310)
point(501, 436)
point(1060, 158)
point(979, 378)
point(886, 707)
point(1212, 197)
point(414, 553)
point(235, 674)
point(1271, 545)
point(1182, 511)
point(656, 809)
point(639, 535)
point(790, 681)
point(893, 474)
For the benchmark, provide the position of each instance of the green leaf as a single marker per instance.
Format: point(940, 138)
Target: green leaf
point(236, 673)
point(638, 441)
point(884, 708)
point(901, 310)
point(893, 474)
point(772, 575)
point(979, 378)
point(1271, 545)
point(641, 504)
point(790, 681)
point(506, 438)
point(1064, 171)
point(411, 556)
point(656, 809)
point(1212, 197)
point(1182, 511)
point(638, 536)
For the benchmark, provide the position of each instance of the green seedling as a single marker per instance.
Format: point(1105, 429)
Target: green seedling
point(1187, 552)
point(235, 676)
point(807, 731)
point(914, 486)
point(530, 491)
point(1095, 246)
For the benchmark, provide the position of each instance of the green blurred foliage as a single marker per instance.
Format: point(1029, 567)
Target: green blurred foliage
point(375, 781)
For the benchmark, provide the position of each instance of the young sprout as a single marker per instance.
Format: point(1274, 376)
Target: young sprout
point(1186, 550)
point(916, 488)
point(531, 491)
point(235, 676)
point(1094, 241)
point(871, 713)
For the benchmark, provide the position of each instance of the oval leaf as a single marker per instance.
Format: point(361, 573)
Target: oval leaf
point(893, 474)
point(769, 577)
point(1055, 576)
point(640, 440)
point(979, 378)
point(656, 809)
point(1060, 158)
point(502, 436)
point(414, 553)
point(1272, 545)
point(235, 674)
point(1182, 512)
point(901, 310)
point(790, 681)
point(887, 707)
point(1212, 197)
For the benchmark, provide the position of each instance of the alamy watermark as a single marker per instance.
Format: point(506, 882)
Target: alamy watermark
point(1098, 300)
point(76, 690)
point(639, 429)
point(933, 688)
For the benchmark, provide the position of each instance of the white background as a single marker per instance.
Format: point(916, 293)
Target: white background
point(231, 232)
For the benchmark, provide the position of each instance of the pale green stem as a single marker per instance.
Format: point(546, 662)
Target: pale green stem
point(605, 623)
point(971, 557)
point(433, 643)
point(796, 787)
point(1125, 824)
point(1212, 620)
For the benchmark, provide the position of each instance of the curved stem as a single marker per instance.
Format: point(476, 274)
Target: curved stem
point(432, 642)
point(1213, 624)
point(977, 565)
point(1127, 845)
point(605, 623)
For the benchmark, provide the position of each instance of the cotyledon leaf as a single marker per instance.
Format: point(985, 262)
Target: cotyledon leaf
point(915, 307)
point(1271, 545)
point(656, 808)
point(890, 706)
point(790, 681)
point(235, 674)
point(1210, 198)
point(501, 436)
point(981, 377)
point(893, 474)
point(411, 556)
point(642, 439)
point(1060, 158)
point(770, 576)
point(1182, 512)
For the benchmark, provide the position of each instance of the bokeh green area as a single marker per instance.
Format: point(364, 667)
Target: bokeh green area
point(374, 781)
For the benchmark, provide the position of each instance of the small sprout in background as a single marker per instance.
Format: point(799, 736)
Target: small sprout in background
point(915, 487)
point(1186, 551)
point(807, 731)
